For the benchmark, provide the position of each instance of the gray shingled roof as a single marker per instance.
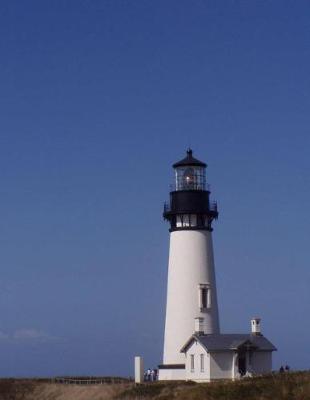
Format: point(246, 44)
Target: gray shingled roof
point(231, 341)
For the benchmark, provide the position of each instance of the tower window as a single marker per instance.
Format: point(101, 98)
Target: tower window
point(204, 296)
point(186, 220)
point(179, 221)
point(193, 220)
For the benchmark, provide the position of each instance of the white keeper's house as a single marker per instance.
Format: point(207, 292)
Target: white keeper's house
point(194, 347)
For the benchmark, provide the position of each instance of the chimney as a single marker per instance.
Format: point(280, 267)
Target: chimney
point(199, 326)
point(255, 326)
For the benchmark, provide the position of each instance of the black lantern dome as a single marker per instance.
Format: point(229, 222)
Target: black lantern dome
point(190, 207)
point(189, 160)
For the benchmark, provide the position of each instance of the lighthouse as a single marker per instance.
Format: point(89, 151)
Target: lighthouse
point(191, 289)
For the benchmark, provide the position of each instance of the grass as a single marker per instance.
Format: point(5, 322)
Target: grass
point(291, 386)
point(288, 386)
point(16, 389)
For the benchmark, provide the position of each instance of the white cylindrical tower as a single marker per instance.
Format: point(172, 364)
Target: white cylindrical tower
point(191, 290)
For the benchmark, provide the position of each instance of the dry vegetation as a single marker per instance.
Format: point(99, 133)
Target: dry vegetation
point(292, 386)
point(39, 389)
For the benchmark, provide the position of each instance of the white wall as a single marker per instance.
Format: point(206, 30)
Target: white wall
point(171, 374)
point(190, 263)
point(221, 364)
point(261, 362)
point(197, 375)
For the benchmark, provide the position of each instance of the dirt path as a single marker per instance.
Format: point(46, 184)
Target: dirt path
point(52, 391)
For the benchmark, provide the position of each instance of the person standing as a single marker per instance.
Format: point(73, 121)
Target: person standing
point(152, 375)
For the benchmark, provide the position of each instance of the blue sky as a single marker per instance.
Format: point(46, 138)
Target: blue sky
point(97, 100)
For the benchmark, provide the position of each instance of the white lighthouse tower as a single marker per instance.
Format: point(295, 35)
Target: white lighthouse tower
point(191, 290)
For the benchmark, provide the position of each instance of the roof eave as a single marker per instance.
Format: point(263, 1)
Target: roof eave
point(184, 163)
point(190, 340)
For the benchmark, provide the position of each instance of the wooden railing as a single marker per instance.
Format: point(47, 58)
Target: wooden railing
point(76, 380)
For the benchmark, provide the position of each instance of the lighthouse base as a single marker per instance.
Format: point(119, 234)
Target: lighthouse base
point(171, 372)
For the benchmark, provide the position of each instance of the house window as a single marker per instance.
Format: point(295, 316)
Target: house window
point(202, 362)
point(192, 363)
point(204, 296)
